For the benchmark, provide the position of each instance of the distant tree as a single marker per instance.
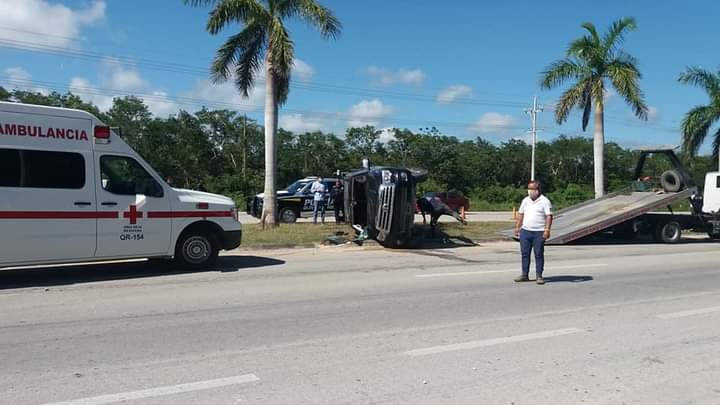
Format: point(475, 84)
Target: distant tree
point(698, 121)
point(264, 40)
point(133, 116)
point(592, 61)
point(4, 94)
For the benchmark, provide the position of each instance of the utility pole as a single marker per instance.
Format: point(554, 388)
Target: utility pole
point(245, 145)
point(533, 114)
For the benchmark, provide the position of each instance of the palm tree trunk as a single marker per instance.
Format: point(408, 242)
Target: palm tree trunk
point(599, 149)
point(271, 119)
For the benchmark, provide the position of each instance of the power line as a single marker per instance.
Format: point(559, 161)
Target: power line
point(186, 55)
point(203, 72)
point(195, 102)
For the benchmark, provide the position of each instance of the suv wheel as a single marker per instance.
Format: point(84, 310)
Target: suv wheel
point(288, 215)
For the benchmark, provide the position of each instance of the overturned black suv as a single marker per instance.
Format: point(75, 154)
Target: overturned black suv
point(381, 201)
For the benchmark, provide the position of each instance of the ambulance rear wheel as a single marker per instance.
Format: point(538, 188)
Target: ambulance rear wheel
point(196, 250)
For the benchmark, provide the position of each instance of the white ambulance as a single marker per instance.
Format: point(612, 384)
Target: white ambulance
point(72, 190)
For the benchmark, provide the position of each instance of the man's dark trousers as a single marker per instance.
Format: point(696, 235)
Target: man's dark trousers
point(532, 241)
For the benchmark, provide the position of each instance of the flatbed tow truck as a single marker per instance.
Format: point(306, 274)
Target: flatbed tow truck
point(632, 212)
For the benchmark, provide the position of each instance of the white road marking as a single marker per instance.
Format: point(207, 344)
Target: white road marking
point(691, 312)
point(160, 391)
point(471, 273)
point(492, 342)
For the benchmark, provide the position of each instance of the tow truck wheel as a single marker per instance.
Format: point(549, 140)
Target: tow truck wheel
point(196, 250)
point(288, 215)
point(670, 232)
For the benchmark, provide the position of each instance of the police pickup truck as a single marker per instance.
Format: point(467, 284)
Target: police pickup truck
point(296, 201)
point(72, 190)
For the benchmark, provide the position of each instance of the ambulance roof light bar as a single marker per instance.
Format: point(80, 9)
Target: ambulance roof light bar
point(102, 133)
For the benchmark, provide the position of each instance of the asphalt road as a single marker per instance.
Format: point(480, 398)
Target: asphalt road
point(614, 324)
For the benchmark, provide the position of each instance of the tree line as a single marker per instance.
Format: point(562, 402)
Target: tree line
point(222, 151)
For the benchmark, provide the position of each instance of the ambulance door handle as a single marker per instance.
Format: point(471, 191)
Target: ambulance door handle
point(83, 203)
point(108, 203)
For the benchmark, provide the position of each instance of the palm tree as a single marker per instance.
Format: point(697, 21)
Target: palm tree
point(264, 42)
point(591, 61)
point(697, 122)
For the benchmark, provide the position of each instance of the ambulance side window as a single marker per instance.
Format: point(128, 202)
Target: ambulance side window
point(41, 169)
point(124, 176)
point(44, 169)
point(9, 168)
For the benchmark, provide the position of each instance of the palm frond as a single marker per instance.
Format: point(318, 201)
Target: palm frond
point(584, 48)
point(281, 57)
point(699, 77)
point(569, 99)
point(616, 33)
point(243, 52)
point(235, 11)
point(695, 127)
point(586, 103)
point(320, 17)
point(624, 77)
point(590, 27)
point(560, 71)
point(716, 144)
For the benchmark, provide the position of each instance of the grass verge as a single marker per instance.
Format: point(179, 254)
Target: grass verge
point(307, 235)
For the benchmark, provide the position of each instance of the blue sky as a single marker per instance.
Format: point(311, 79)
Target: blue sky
point(469, 69)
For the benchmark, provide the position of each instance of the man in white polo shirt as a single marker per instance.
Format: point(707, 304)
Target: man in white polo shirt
point(533, 229)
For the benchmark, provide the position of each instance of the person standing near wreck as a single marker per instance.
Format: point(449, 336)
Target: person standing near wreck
point(318, 190)
point(533, 229)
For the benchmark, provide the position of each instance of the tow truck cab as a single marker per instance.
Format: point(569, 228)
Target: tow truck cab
point(72, 190)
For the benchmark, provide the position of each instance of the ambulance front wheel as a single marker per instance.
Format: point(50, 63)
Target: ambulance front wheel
point(196, 250)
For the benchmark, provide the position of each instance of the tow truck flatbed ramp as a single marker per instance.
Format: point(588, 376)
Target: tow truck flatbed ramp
point(596, 215)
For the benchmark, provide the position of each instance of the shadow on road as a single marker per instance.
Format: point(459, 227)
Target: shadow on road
point(601, 240)
point(424, 238)
point(78, 274)
point(568, 279)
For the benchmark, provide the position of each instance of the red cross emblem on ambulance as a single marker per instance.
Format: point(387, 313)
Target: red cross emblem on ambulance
point(133, 214)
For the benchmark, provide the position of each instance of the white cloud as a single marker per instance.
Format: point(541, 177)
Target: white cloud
point(40, 21)
point(653, 114)
point(387, 135)
point(609, 94)
point(118, 76)
point(453, 93)
point(119, 80)
point(368, 112)
point(85, 89)
point(493, 122)
point(303, 71)
point(230, 97)
point(300, 123)
point(20, 79)
point(388, 77)
point(227, 95)
point(161, 105)
point(17, 73)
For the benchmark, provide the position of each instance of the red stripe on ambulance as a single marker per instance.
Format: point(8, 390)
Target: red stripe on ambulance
point(58, 215)
point(133, 216)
